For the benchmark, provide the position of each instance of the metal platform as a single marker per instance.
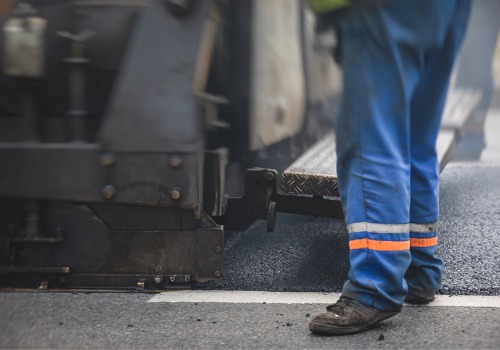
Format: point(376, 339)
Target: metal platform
point(315, 172)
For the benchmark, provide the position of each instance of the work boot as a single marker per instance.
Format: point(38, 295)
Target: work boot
point(419, 300)
point(347, 316)
point(419, 296)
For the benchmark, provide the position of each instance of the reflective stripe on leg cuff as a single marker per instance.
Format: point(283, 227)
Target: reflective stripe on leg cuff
point(378, 228)
point(423, 227)
point(390, 228)
point(423, 242)
point(378, 245)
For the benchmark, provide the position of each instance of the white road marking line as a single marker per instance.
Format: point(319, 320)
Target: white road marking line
point(215, 296)
point(242, 297)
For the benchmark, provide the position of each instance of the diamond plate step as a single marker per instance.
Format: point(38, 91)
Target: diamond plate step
point(315, 172)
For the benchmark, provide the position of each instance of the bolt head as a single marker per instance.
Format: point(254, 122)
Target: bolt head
point(158, 279)
point(107, 159)
point(218, 274)
point(187, 278)
point(140, 285)
point(172, 279)
point(175, 194)
point(175, 162)
point(108, 192)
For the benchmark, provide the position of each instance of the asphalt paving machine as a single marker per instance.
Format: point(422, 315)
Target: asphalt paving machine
point(133, 133)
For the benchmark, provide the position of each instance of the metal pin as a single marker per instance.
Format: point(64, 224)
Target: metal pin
point(218, 274)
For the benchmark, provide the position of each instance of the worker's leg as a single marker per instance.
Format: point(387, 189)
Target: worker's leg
point(382, 56)
point(373, 167)
point(424, 275)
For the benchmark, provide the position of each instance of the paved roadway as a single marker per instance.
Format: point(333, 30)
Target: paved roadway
point(107, 320)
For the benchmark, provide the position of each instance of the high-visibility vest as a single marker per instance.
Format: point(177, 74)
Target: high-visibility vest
point(321, 6)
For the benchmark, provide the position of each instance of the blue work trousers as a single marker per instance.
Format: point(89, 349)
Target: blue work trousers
point(396, 59)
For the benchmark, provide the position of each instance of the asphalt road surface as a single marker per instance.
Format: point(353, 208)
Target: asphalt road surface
point(130, 321)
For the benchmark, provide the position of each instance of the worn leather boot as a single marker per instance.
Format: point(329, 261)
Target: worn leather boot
point(419, 300)
point(347, 316)
point(419, 296)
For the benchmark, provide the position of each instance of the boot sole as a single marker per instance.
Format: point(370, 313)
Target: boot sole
point(344, 330)
point(416, 300)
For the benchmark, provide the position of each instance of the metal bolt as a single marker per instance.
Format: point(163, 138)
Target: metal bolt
point(218, 249)
point(108, 191)
point(107, 159)
point(172, 279)
point(158, 279)
point(269, 176)
point(175, 194)
point(218, 274)
point(140, 285)
point(175, 162)
point(187, 278)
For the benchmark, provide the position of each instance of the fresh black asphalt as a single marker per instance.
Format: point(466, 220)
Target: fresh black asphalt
point(311, 254)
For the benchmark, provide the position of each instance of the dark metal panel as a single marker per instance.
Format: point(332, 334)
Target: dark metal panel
point(214, 181)
point(83, 173)
point(124, 217)
point(112, 22)
point(209, 254)
point(93, 255)
point(51, 171)
point(314, 206)
point(153, 108)
point(151, 179)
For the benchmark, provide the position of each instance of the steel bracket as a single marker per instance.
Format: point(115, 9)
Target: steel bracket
point(261, 201)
